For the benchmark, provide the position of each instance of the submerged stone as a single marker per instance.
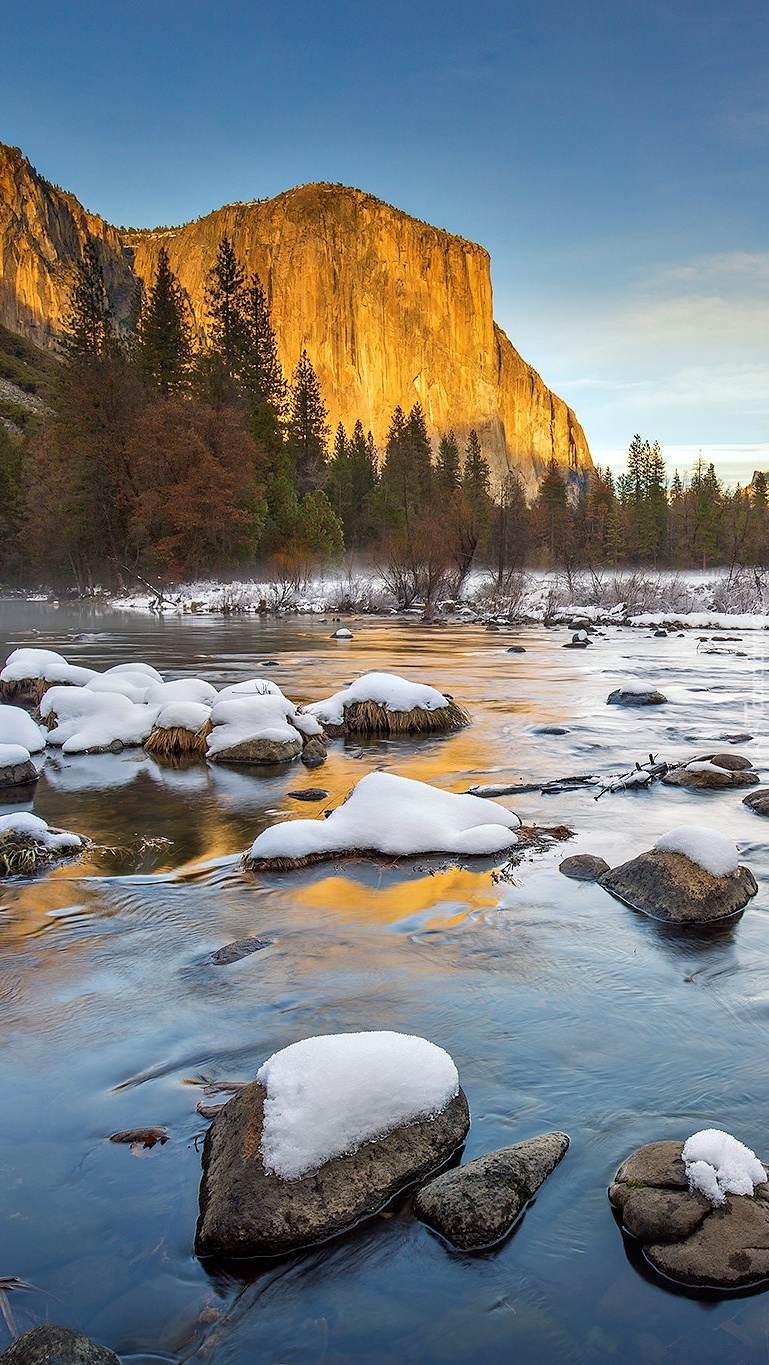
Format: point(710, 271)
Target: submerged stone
point(649, 697)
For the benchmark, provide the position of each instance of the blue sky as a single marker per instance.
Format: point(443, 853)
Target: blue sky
point(610, 154)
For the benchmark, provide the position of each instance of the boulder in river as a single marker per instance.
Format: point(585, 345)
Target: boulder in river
point(682, 1234)
point(758, 801)
point(16, 769)
point(55, 1345)
point(668, 885)
point(260, 749)
point(713, 773)
point(314, 753)
point(476, 1205)
point(584, 867)
point(331, 1129)
point(635, 694)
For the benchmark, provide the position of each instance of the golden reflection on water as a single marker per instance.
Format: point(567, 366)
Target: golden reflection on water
point(451, 894)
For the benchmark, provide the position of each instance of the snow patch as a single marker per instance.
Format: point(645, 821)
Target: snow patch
point(711, 850)
point(28, 826)
point(18, 727)
point(717, 1165)
point(13, 754)
point(327, 1095)
point(389, 814)
point(251, 716)
point(45, 664)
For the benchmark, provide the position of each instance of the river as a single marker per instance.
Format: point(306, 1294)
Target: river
point(562, 1008)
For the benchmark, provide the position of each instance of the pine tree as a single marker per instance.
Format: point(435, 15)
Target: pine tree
point(163, 347)
point(88, 326)
point(447, 471)
point(306, 427)
point(225, 305)
point(262, 375)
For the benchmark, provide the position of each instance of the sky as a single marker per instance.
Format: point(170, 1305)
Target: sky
point(610, 154)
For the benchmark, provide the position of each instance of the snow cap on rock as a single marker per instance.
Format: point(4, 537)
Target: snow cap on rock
point(717, 1165)
point(329, 1094)
point(714, 852)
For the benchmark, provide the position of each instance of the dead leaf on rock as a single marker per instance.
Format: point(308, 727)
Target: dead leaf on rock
point(141, 1139)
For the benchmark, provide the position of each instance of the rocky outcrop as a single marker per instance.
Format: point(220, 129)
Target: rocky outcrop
point(670, 886)
point(391, 310)
point(683, 1236)
point(476, 1205)
point(248, 1211)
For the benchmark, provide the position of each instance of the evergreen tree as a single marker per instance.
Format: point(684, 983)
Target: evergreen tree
point(553, 516)
point(225, 305)
point(262, 375)
point(319, 530)
point(338, 480)
point(306, 428)
point(88, 325)
point(163, 346)
point(447, 472)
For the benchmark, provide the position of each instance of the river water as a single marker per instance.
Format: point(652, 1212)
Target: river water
point(562, 1008)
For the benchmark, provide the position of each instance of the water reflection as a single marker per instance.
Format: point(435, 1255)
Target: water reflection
point(563, 1008)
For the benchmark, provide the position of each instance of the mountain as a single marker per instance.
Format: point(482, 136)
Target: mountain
point(390, 310)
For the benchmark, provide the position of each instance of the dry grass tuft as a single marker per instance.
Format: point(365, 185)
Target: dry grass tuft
point(21, 856)
point(27, 692)
point(371, 718)
point(177, 742)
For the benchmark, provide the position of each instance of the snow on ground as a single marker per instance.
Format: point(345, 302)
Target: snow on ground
point(715, 599)
point(707, 847)
point(327, 1095)
point(717, 1165)
point(18, 727)
point(388, 689)
point(29, 826)
point(389, 814)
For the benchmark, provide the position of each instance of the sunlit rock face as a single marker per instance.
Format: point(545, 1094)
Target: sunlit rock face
point(390, 310)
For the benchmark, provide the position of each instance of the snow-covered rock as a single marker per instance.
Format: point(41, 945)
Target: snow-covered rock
point(16, 769)
point(95, 722)
point(44, 665)
point(395, 815)
point(687, 1235)
point(254, 728)
point(674, 881)
point(713, 774)
point(327, 1095)
point(635, 693)
point(707, 847)
point(18, 727)
point(331, 1129)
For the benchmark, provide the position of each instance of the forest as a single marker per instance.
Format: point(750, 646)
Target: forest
point(159, 454)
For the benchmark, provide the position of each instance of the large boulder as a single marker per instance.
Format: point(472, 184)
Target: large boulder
point(682, 1234)
point(248, 1211)
point(476, 1205)
point(260, 750)
point(670, 886)
point(54, 1345)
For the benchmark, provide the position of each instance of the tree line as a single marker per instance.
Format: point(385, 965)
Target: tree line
point(172, 455)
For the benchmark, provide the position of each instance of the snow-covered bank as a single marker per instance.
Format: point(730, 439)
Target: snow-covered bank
point(700, 600)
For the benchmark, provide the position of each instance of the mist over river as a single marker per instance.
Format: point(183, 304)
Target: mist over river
point(562, 1008)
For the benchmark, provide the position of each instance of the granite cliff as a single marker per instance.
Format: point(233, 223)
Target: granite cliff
point(389, 309)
